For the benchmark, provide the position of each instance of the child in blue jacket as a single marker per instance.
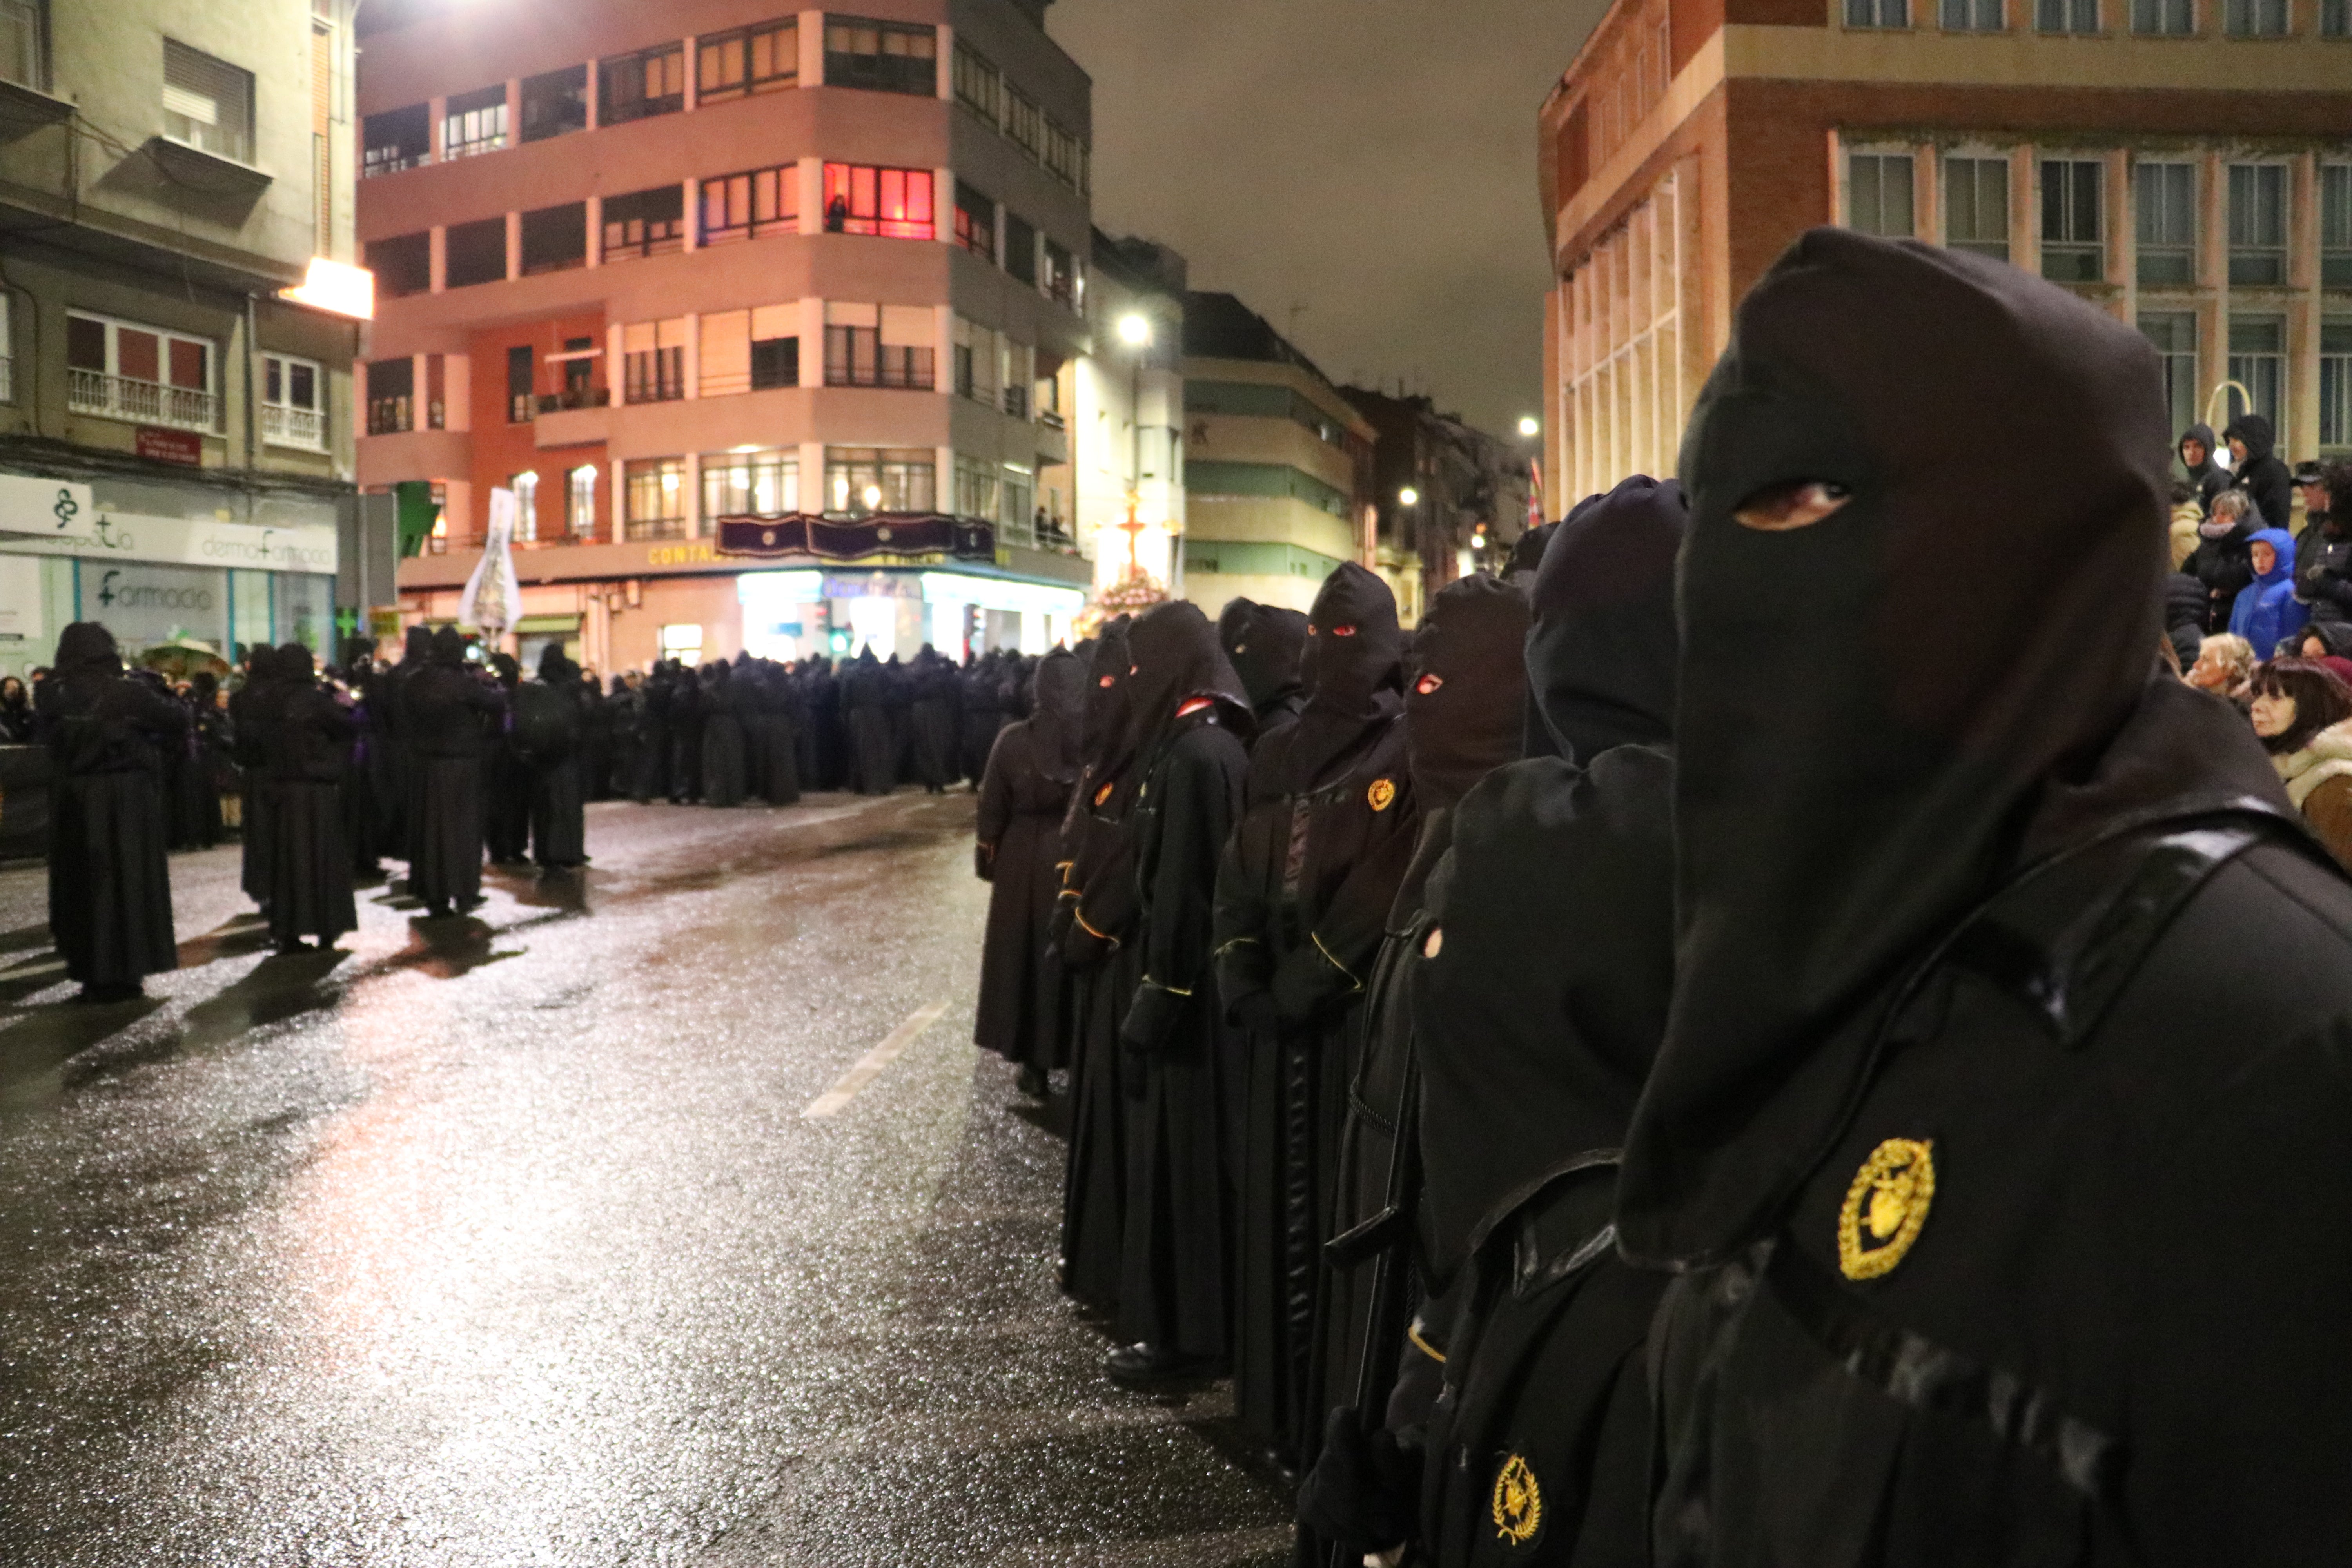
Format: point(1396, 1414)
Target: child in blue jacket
point(2267, 613)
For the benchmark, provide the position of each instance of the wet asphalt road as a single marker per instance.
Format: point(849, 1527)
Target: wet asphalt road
point(505, 1240)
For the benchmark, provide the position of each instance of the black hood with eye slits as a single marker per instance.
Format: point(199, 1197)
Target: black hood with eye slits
point(1264, 643)
point(1602, 652)
point(1354, 667)
point(1467, 653)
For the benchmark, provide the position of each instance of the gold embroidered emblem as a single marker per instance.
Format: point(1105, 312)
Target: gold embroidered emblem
point(1434, 943)
point(1885, 1207)
point(1518, 1502)
point(1382, 794)
point(1103, 794)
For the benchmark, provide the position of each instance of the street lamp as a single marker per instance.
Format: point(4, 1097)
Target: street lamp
point(1408, 495)
point(1134, 328)
point(1531, 426)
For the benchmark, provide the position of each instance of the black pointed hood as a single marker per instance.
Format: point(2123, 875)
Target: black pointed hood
point(1175, 657)
point(1354, 668)
point(417, 647)
point(1468, 683)
point(295, 663)
point(1057, 713)
point(1601, 652)
point(447, 647)
point(86, 647)
point(1106, 698)
point(1264, 643)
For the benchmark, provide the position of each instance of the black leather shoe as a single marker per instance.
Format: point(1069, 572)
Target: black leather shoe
point(1141, 1365)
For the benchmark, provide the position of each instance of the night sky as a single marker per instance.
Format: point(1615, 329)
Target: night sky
point(1372, 161)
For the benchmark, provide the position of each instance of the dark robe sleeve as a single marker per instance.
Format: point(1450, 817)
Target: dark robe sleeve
point(1243, 954)
point(1333, 964)
point(996, 798)
point(1200, 789)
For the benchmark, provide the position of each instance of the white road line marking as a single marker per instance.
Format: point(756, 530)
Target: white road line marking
point(869, 1066)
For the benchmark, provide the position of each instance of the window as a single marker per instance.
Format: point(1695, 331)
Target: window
point(653, 364)
point(396, 140)
point(2258, 363)
point(639, 85)
point(977, 361)
point(554, 238)
point(747, 60)
point(2065, 15)
point(2335, 18)
point(2174, 333)
point(2164, 221)
point(476, 122)
point(1972, 16)
point(878, 346)
point(975, 222)
point(1019, 372)
point(1877, 13)
point(884, 56)
point(1060, 276)
point(578, 360)
point(293, 403)
point(127, 371)
point(580, 501)
point(644, 223)
point(749, 351)
point(555, 103)
point(474, 253)
point(2072, 247)
point(523, 400)
point(2255, 18)
point(761, 200)
point(764, 483)
point(390, 396)
point(2257, 223)
point(1020, 250)
point(893, 203)
point(2335, 385)
point(656, 497)
point(775, 362)
point(979, 86)
point(1878, 194)
point(402, 265)
point(2165, 18)
point(1061, 159)
point(1024, 122)
point(207, 102)
point(976, 489)
point(860, 479)
point(20, 44)
point(1976, 205)
point(526, 495)
point(2335, 225)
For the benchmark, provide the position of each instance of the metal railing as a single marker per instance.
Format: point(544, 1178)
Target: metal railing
point(149, 402)
point(574, 397)
point(293, 426)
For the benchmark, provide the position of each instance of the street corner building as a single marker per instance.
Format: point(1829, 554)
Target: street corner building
point(179, 312)
point(2187, 164)
point(767, 318)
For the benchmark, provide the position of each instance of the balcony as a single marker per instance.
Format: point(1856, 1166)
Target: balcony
point(303, 427)
point(573, 397)
point(147, 402)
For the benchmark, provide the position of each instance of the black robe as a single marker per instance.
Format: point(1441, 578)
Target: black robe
point(310, 855)
point(865, 699)
point(686, 717)
point(931, 722)
point(782, 725)
point(558, 775)
point(446, 710)
point(1023, 795)
point(722, 743)
point(253, 712)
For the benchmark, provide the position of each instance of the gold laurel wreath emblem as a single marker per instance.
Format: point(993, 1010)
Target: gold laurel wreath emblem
point(1885, 1207)
point(1518, 1502)
point(1382, 794)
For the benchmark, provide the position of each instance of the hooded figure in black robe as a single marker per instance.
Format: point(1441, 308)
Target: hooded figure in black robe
point(1191, 720)
point(449, 715)
point(1303, 898)
point(505, 776)
point(363, 814)
point(596, 720)
point(723, 780)
point(1264, 643)
point(395, 768)
point(782, 721)
point(1997, 1131)
point(109, 881)
point(307, 754)
point(865, 699)
point(979, 720)
point(1467, 683)
point(209, 764)
point(931, 719)
point(1023, 795)
point(687, 715)
point(254, 711)
point(550, 730)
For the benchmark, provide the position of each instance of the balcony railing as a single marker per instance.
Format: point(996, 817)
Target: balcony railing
point(149, 402)
point(304, 427)
point(574, 397)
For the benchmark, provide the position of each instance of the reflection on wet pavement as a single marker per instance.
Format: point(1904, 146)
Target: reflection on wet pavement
point(502, 1240)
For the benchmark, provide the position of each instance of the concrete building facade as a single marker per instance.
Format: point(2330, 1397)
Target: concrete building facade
point(2187, 164)
point(175, 433)
point(1125, 403)
point(660, 269)
point(1449, 499)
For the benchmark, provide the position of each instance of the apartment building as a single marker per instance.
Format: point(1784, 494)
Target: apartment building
point(175, 428)
point(761, 314)
point(1277, 463)
point(1123, 492)
point(2185, 163)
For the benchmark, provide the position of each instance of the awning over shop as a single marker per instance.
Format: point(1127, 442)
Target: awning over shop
point(806, 534)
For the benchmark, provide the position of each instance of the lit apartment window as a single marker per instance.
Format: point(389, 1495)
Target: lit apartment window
point(975, 222)
point(20, 44)
point(1976, 205)
point(396, 140)
point(555, 238)
point(475, 122)
point(656, 497)
point(522, 389)
point(979, 86)
point(2335, 385)
point(2335, 225)
point(2065, 15)
point(555, 103)
point(1878, 194)
point(2257, 223)
point(747, 60)
point(207, 102)
point(2174, 335)
point(654, 361)
point(526, 495)
point(644, 223)
point(757, 202)
point(2071, 233)
point(749, 351)
point(640, 86)
point(1877, 13)
point(402, 265)
point(884, 56)
point(390, 396)
point(293, 403)
point(578, 363)
point(861, 479)
point(2163, 218)
point(752, 484)
point(2255, 18)
point(580, 501)
point(123, 370)
point(895, 204)
point(878, 346)
point(2258, 363)
point(2165, 18)
point(1972, 16)
point(977, 484)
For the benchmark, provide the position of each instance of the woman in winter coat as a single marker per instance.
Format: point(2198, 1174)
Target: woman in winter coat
point(2302, 714)
point(2267, 613)
point(2222, 560)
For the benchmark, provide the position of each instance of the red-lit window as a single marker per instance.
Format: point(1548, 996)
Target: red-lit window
point(893, 203)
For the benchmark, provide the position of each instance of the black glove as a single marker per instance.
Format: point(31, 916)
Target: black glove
point(984, 861)
point(1364, 1491)
point(1306, 983)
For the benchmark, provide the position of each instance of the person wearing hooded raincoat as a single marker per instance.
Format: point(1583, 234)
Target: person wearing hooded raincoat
point(1024, 792)
point(307, 757)
point(109, 878)
point(2267, 613)
point(2258, 470)
point(1996, 1138)
point(449, 715)
point(1264, 643)
point(2210, 477)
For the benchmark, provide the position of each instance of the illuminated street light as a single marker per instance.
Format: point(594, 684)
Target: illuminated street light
point(1134, 331)
point(1530, 426)
point(1408, 495)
